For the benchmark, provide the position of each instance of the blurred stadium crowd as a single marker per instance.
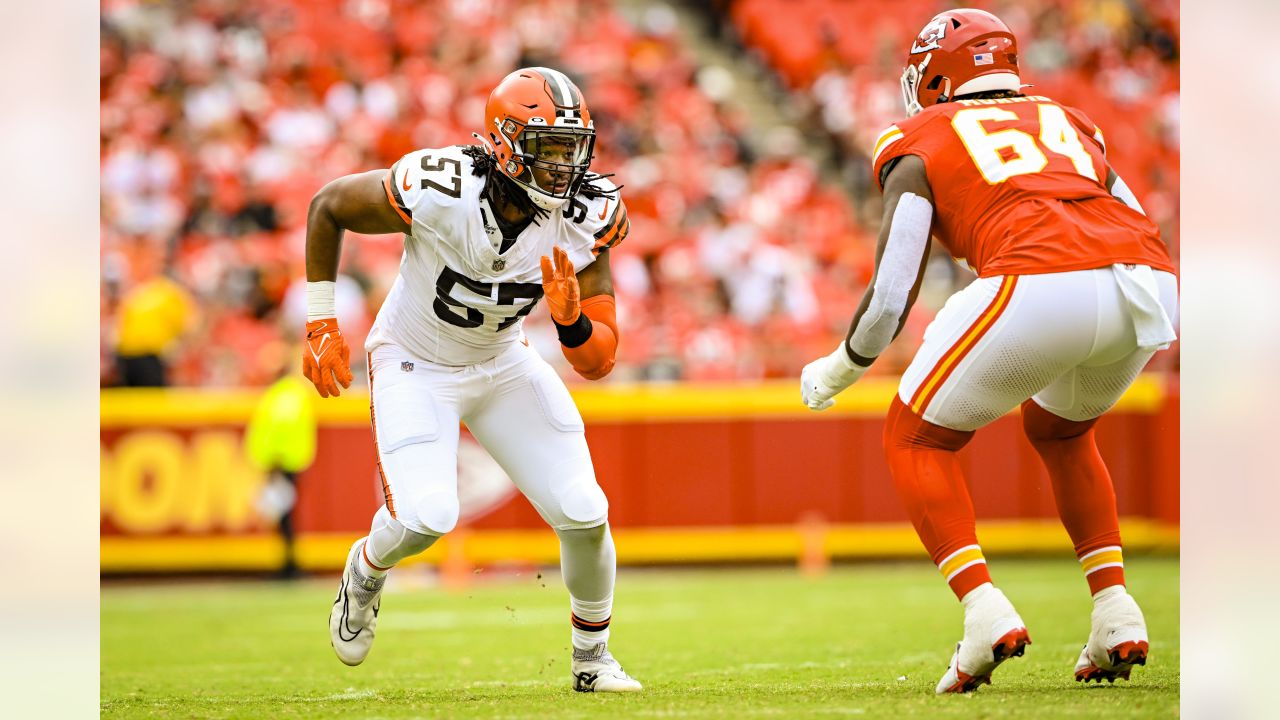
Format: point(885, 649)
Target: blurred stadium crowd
point(221, 118)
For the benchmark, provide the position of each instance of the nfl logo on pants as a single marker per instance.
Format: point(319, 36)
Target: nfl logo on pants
point(406, 366)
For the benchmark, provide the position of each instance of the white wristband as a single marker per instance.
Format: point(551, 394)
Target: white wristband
point(843, 369)
point(320, 302)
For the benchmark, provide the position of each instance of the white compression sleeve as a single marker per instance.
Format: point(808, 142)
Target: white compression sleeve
point(390, 542)
point(895, 276)
point(588, 562)
point(1125, 195)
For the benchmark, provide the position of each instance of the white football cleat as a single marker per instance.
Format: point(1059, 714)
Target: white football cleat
point(595, 670)
point(355, 611)
point(1117, 640)
point(993, 633)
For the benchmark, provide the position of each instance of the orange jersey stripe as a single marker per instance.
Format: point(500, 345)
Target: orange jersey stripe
point(615, 232)
point(611, 237)
point(391, 198)
point(938, 376)
point(373, 421)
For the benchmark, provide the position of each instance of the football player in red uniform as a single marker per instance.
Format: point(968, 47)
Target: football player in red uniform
point(1075, 293)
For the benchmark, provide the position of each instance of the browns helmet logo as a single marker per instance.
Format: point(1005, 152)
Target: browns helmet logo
point(931, 36)
point(527, 107)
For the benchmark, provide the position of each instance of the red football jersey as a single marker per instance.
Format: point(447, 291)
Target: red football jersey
point(1019, 187)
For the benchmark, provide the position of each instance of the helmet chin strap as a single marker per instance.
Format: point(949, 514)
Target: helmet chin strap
point(945, 95)
point(484, 142)
point(546, 202)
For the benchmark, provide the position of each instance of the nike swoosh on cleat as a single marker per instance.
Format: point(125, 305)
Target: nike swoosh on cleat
point(585, 682)
point(346, 600)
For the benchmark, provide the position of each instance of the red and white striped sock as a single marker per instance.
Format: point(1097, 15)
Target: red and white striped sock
point(964, 569)
point(1103, 567)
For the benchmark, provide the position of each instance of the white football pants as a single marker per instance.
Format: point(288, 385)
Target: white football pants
point(1069, 340)
point(516, 407)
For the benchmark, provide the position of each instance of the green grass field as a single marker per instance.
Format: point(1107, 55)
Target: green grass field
point(867, 640)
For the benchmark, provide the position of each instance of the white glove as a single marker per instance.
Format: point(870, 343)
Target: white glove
point(824, 378)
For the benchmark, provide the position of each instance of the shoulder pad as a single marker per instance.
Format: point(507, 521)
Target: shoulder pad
point(603, 217)
point(429, 178)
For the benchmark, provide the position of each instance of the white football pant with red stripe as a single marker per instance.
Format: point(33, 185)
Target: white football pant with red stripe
point(516, 407)
point(1069, 340)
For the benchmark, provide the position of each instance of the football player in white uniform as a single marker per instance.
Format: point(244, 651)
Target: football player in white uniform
point(488, 230)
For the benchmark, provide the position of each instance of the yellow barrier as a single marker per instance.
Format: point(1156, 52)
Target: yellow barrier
point(598, 403)
point(219, 413)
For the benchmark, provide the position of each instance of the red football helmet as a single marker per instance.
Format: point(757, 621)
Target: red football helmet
point(959, 52)
point(538, 127)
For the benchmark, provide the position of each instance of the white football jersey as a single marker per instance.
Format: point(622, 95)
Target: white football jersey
point(457, 300)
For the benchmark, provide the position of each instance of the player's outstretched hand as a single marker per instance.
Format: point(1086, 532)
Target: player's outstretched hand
point(326, 359)
point(824, 378)
point(560, 285)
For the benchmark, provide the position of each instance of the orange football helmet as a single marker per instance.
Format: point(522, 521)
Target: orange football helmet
point(964, 51)
point(538, 128)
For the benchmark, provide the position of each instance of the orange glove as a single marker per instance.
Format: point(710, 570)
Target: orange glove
point(326, 357)
point(560, 285)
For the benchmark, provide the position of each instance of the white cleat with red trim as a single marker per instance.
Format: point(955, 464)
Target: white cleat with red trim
point(1117, 640)
point(993, 633)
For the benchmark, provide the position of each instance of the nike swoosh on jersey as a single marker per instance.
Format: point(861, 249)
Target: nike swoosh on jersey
point(605, 211)
point(405, 185)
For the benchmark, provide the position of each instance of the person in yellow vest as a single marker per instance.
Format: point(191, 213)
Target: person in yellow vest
point(154, 315)
point(280, 440)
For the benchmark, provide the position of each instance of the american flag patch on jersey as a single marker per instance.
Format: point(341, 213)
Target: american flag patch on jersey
point(983, 59)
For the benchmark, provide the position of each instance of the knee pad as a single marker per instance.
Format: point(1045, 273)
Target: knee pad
point(905, 430)
point(582, 503)
point(1040, 425)
point(586, 506)
point(436, 513)
point(593, 535)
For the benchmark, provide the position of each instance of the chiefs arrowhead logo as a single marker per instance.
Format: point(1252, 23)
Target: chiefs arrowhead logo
point(930, 37)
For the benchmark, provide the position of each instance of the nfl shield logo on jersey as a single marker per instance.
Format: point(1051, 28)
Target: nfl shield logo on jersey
point(499, 264)
point(406, 366)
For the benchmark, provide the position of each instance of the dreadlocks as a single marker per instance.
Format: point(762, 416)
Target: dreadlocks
point(593, 191)
point(499, 186)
